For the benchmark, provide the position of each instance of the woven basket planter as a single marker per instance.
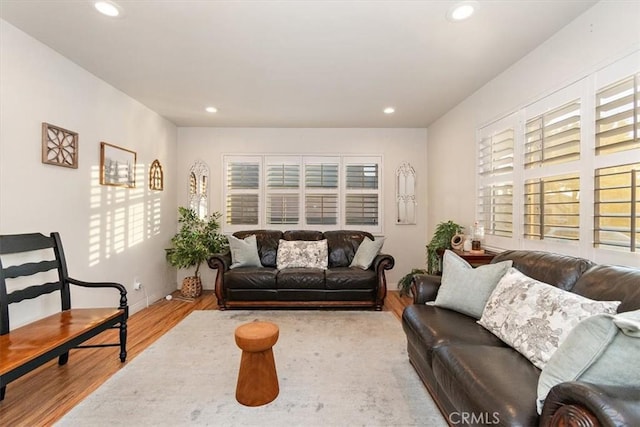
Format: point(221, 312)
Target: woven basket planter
point(191, 287)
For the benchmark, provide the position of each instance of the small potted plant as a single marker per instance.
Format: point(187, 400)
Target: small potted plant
point(197, 239)
point(404, 284)
point(440, 241)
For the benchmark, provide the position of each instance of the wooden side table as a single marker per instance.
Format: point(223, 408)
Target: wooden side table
point(257, 378)
point(476, 259)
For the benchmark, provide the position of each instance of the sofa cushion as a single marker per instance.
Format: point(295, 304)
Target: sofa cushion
point(467, 289)
point(309, 235)
point(244, 252)
point(562, 271)
point(366, 252)
point(251, 278)
point(429, 327)
point(300, 278)
point(608, 282)
point(598, 350)
point(302, 254)
point(494, 383)
point(343, 245)
point(267, 241)
point(350, 278)
point(534, 317)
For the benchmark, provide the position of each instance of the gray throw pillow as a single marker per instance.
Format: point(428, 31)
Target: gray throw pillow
point(367, 252)
point(466, 289)
point(244, 253)
point(602, 349)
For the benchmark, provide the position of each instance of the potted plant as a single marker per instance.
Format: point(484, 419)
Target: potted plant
point(197, 239)
point(440, 241)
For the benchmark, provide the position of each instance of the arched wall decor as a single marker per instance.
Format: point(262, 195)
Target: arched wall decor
point(156, 176)
point(406, 203)
point(199, 188)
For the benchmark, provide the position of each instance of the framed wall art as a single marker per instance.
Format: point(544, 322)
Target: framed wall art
point(117, 166)
point(59, 146)
point(156, 176)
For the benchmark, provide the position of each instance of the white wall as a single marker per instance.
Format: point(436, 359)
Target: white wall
point(405, 242)
point(603, 34)
point(108, 233)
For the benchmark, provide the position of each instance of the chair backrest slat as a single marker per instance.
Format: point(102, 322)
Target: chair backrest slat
point(37, 263)
point(16, 243)
point(30, 269)
point(32, 292)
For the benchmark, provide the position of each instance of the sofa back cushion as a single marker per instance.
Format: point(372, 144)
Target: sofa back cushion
point(267, 241)
point(562, 271)
point(308, 235)
point(343, 245)
point(607, 282)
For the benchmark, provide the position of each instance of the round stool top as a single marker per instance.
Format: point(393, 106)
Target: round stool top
point(256, 336)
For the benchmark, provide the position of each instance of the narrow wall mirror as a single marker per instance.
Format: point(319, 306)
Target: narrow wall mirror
point(405, 194)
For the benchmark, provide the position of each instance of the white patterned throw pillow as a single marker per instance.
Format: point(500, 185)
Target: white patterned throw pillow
point(534, 317)
point(302, 254)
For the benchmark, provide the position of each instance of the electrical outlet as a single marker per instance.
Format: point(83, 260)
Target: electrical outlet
point(137, 285)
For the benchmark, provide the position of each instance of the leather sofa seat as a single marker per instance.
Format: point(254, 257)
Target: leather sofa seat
point(300, 278)
point(253, 278)
point(349, 278)
point(488, 380)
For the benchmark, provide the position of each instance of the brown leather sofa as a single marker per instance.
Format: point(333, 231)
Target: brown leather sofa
point(476, 379)
point(338, 286)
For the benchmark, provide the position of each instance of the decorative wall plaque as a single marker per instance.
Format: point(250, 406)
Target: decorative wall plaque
point(59, 146)
point(156, 176)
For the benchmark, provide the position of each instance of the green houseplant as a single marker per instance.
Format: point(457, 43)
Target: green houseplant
point(441, 240)
point(197, 239)
point(404, 284)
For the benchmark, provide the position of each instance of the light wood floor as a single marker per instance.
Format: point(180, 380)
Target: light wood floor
point(43, 396)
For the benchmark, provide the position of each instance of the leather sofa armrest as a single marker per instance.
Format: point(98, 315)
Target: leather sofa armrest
point(585, 404)
point(424, 287)
point(381, 263)
point(220, 262)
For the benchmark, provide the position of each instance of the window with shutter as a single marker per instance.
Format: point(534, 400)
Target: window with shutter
point(553, 137)
point(321, 179)
point(362, 197)
point(618, 116)
point(243, 191)
point(494, 208)
point(617, 207)
point(552, 208)
point(283, 192)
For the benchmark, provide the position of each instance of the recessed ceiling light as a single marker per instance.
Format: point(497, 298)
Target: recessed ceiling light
point(107, 8)
point(389, 110)
point(211, 110)
point(461, 11)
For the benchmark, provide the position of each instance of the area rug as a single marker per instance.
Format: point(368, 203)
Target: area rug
point(335, 368)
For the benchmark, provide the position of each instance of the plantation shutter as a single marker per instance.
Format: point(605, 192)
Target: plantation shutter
point(243, 185)
point(618, 116)
point(617, 207)
point(552, 207)
point(553, 137)
point(362, 198)
point(494, 209)
point(321, 196)
point(283, 197)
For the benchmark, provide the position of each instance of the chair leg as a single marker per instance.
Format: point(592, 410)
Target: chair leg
point(63, 359)
point(123, 341)
point(2, 391)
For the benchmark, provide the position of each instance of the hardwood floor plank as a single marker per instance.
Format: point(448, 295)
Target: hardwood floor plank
point(43, 396)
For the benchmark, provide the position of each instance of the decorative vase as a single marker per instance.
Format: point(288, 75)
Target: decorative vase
point(191, 287)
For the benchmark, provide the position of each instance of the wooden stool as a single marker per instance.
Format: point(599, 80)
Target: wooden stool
point(257, 379)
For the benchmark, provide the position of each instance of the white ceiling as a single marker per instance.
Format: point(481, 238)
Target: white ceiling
point(294, 63)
